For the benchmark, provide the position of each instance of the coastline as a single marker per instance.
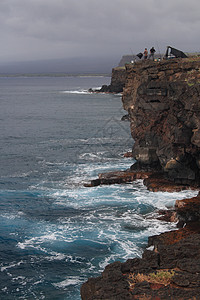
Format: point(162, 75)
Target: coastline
point(174, 252)
point(53, 75)
point(167, 155)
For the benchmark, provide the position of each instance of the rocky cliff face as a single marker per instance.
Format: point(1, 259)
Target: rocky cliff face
point(118, 80)
point(163, 101)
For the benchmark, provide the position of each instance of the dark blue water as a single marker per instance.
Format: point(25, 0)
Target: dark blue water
point(54, 232)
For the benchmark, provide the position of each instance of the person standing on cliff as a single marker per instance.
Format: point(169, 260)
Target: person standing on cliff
point(152, 51)
point(145, 54)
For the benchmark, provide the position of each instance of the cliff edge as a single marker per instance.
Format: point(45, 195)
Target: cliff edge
point(162, 99)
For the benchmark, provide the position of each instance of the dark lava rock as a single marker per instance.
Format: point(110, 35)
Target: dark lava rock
point(111, 285)
point(126, 118)
point(117, 177)
point(177, 250)
point(117, 84)
point(162, 100)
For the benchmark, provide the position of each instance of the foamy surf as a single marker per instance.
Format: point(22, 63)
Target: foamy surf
point(72, 280)
point(78, 92)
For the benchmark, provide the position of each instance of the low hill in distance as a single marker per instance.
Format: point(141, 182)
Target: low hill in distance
point(72, 66)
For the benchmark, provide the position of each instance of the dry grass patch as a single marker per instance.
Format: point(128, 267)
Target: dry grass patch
point(160, 277)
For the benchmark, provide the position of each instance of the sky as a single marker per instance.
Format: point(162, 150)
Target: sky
point(54, 29)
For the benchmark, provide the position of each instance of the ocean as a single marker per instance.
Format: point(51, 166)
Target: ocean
point(54, 232)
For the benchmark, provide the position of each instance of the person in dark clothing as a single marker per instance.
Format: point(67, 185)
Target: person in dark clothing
point(152, 51)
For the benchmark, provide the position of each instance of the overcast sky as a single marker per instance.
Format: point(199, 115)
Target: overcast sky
point(49, 29)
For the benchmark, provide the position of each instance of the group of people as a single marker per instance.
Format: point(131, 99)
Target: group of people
point(151, 55)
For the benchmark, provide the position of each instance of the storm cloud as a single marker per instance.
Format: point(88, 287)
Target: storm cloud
point(51, 29)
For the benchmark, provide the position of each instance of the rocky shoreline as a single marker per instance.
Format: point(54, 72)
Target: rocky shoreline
point(175, 253)
point(169, 268)
point(162, 101)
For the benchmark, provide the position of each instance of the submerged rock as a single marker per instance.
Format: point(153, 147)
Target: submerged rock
point(126, 118)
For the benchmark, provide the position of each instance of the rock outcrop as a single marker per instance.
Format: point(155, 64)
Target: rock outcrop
point(117, 84)
point(154, 180)
point(163, 102)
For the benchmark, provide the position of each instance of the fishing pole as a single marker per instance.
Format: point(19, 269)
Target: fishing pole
point(158, 49)
point(132, 54)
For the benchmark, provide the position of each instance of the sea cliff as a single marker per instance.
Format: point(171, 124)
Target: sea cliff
point(163, 103)
point(162, 99)
point(117, 83)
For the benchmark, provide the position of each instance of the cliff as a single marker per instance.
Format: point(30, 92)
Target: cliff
point(117, 84)
point(163, 103)
point(162, 99)
point(118, 80)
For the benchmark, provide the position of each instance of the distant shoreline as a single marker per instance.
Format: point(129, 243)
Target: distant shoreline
point(54, 75)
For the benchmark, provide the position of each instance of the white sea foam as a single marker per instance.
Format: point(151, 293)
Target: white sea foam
point(37, 241)
point(18, 175)
point(85, 92)
point(12, 265)
point(135, 192)
point(18, 278)
point(114, 220)
point(53, 234)
point(38, 282)
point(73, 259)
point(150, 248)
point(55, 256)
point(106, 261)
point(12, 216)
point(71, 280)
point(92, 156)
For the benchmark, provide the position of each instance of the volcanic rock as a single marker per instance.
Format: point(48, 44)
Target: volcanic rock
point(117, 84)
point(162, 100)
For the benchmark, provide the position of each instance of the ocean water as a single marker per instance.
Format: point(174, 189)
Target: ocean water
point(54, 232)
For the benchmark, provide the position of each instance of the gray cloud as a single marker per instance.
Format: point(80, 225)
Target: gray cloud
point(39, 29)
